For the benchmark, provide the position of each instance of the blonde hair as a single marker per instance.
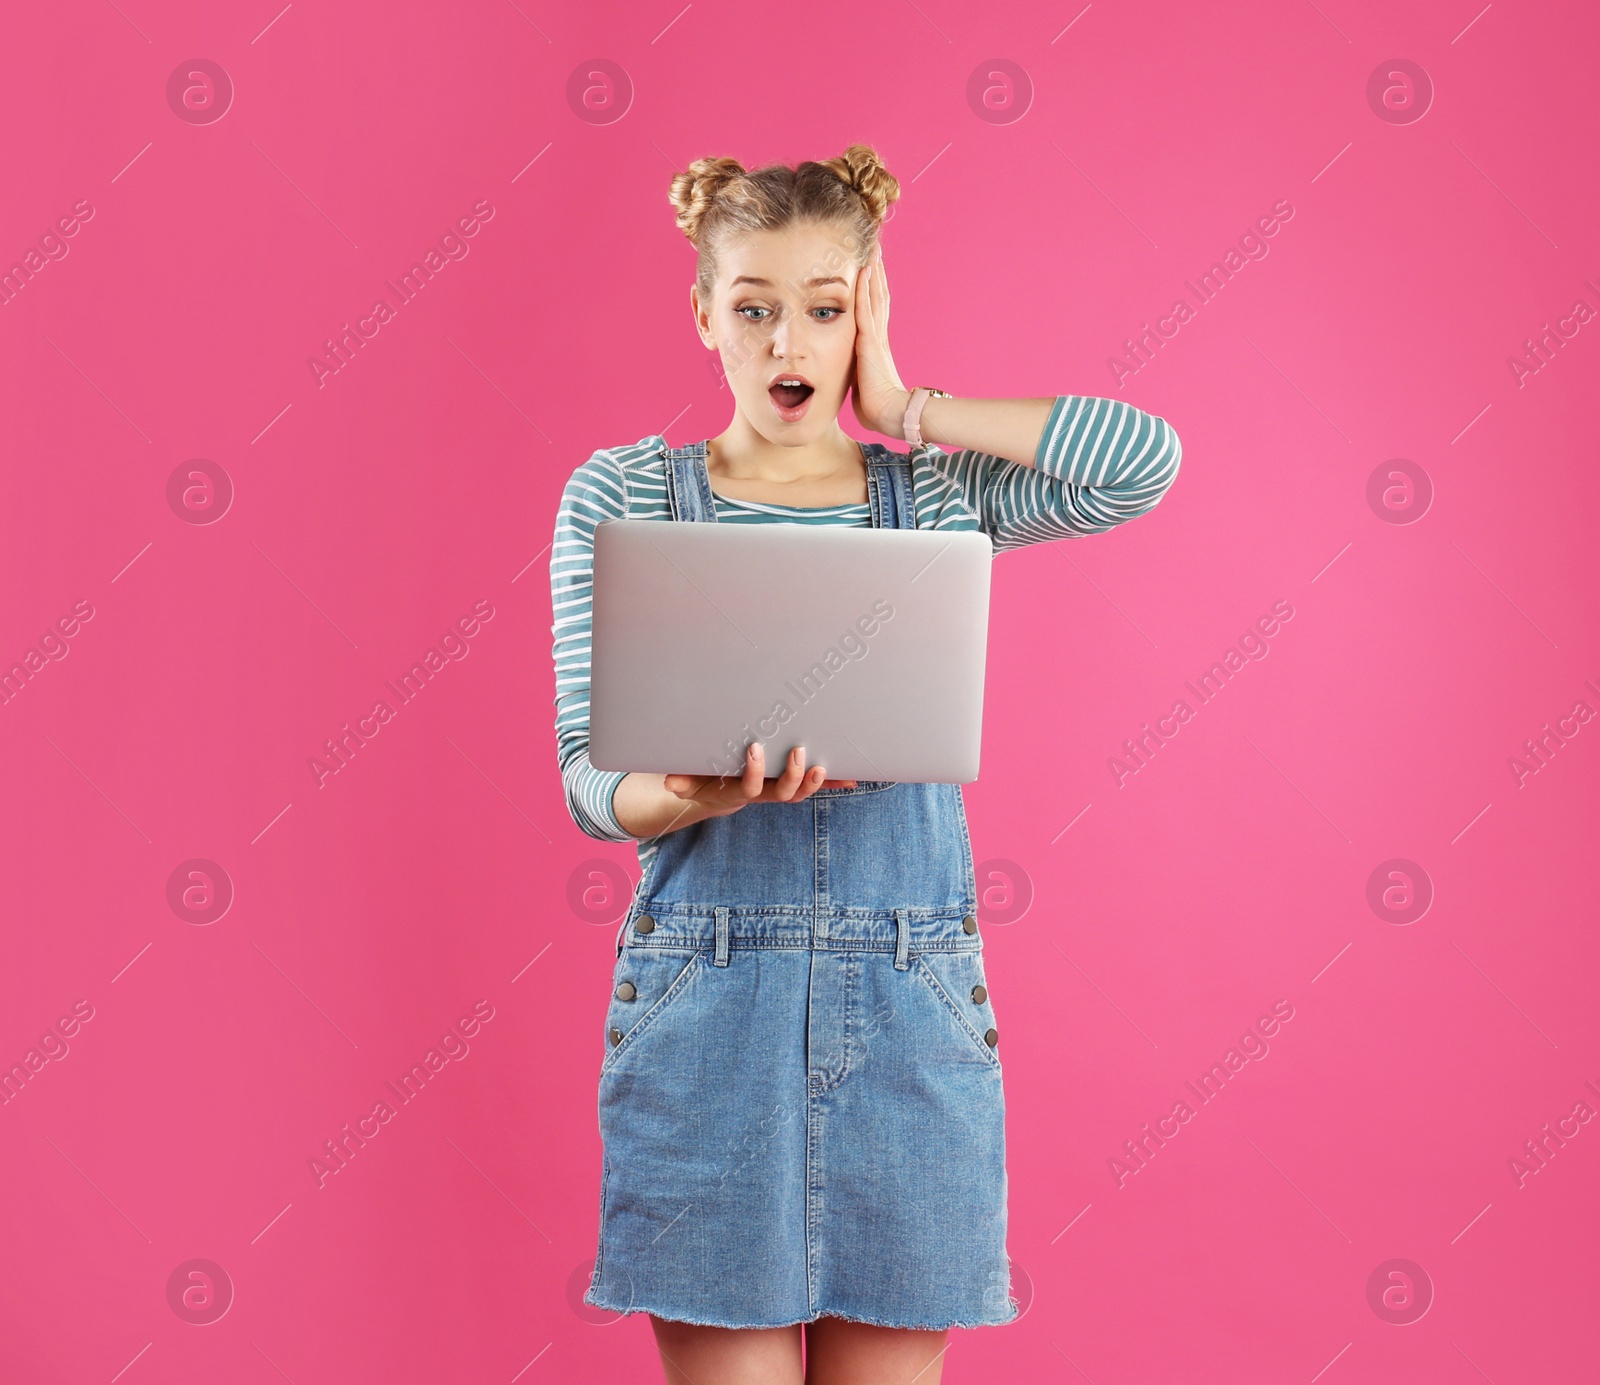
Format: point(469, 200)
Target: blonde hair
point(718, 197)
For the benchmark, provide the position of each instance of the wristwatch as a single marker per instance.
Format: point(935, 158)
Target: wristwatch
point(912, 427)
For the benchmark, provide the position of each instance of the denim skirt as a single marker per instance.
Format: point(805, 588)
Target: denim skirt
point(800, 1099)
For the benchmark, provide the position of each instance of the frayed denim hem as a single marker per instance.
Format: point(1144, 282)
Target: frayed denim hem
point(698, 1321)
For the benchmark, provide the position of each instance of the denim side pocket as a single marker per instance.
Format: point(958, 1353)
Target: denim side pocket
point(647, 982)
point(956, 979)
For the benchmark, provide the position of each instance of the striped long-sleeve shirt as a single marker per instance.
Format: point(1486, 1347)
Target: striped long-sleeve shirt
point(1099, 463)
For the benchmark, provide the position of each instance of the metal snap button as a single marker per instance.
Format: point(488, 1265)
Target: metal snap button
point(991, 1037)
point(979, 995)
point(969, 924)
point(616, 1037)
point(626, 991)
point(644, 924)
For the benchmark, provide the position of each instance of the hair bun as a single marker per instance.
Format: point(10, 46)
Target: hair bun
point(695, 189)
point(861, 168)
point(719, 200)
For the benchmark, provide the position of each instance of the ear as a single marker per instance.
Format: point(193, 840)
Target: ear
point(702, 320)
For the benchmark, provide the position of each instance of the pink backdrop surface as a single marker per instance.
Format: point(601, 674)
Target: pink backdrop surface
point(1374, 838)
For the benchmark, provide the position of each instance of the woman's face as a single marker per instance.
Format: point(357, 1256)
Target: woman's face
point(782, 308)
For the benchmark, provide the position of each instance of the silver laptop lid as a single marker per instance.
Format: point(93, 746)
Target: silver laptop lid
point(867, 646)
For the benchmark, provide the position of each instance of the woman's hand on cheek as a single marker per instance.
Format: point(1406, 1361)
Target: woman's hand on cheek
point(876, 394)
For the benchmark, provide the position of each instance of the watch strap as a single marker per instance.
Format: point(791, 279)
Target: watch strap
point(912, 425)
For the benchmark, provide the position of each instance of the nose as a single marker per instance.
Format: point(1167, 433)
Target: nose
point(786, 339)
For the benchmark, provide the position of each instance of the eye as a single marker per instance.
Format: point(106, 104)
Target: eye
point(752, 309)
point(837, 312)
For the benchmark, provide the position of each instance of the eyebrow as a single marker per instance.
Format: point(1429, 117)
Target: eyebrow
point(751, 279)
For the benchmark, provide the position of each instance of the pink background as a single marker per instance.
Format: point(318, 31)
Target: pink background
point(439, 868)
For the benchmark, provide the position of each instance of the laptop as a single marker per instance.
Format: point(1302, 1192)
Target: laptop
point(866, 646)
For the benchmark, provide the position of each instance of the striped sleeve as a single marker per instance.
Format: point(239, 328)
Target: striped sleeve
point(596, 491)
point(1100, 462)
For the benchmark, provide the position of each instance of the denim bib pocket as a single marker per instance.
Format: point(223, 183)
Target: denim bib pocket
point(862, 786)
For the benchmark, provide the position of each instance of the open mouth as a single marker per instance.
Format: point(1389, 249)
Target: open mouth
point(789, 398)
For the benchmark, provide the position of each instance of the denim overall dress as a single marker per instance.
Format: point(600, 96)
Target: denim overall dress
point(800, 1098)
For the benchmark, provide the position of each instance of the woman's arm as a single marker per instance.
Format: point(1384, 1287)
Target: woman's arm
point(610, 805)
point(644, 807)
point(1011, 429)
point(595, 492)
point(1095, 463)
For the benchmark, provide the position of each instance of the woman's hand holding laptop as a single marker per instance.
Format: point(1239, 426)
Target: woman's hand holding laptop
point(646, 810)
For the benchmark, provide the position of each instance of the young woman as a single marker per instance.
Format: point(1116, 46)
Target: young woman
point(801, 1104)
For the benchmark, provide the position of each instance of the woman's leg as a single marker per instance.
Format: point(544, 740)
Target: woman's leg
point(696, 1355)
point(840, 1352)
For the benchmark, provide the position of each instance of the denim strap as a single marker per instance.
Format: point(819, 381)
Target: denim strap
point(889, 488)
point(722, 936)
point(689, 495)
point(902, 940)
